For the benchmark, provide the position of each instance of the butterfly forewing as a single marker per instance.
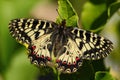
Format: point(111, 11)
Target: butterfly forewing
point(91, 45)
point(27, 30)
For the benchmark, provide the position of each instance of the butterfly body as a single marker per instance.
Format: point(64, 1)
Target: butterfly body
point(64, 47)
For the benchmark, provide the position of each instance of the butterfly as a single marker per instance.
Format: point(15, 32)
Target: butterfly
point(52, 44)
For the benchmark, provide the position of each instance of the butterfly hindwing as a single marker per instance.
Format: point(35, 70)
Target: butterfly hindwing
point(91, 45)
point(39, 51)
point(71, 59)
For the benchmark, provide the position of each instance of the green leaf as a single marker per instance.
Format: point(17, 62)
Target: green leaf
point(93, 15)
point(21, 68)
point(67, 12)
point(103, 76)
point(114, 8)
point(9, 10)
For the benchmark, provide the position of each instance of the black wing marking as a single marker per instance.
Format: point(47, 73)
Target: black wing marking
point(70, 58)
point(92, 45)
point(39, 51)
point(27, 30)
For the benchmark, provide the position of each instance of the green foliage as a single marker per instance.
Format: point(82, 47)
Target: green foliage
point(20, 68)
point(92, 12)
point(93, 15)
point(10, 9)
point(100, 75)
point(114, 8)
point(67, 12)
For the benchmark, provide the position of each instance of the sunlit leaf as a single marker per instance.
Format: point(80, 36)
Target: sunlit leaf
point(66, 11)
point(115, 7)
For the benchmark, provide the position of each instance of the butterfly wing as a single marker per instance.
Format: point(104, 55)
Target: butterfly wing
point(81, 44)
point(27, 30)
point(35, 35)
point(91, 45)
point(69, 59)
point(40, 51)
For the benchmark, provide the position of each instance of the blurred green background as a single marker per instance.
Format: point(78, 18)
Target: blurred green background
point(102, 16)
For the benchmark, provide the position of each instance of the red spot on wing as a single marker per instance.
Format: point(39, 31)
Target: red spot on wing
point(48, 58)
point(33, 52)
point(69, 64)
point(58, 60)
point(77, 58)
point(42, 56)
point(64, 62)
point(33, 47)
point(74, 63)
